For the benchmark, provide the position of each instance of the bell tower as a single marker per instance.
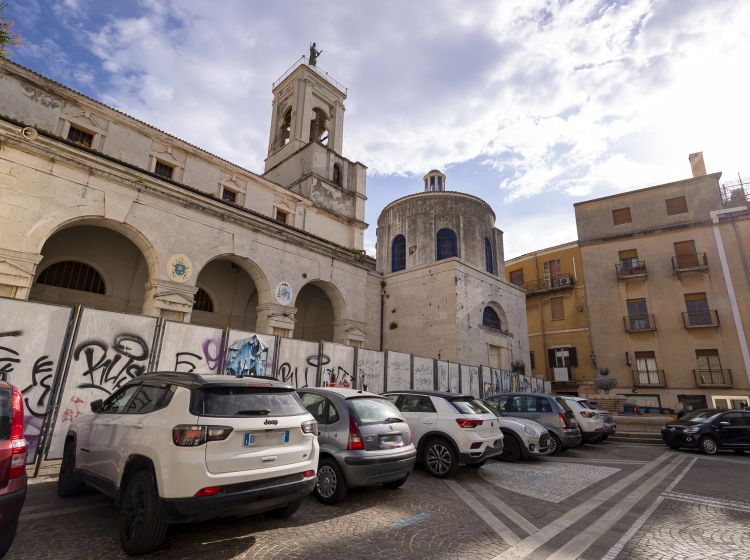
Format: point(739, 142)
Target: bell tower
point(306, 141)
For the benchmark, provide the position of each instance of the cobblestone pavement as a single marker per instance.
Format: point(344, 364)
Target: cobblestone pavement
point(606, 501)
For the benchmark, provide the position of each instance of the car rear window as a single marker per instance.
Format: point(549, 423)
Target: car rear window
point(6, 414)
point(469, 406)
point(563, 404)
point(374, 410)
point(245, 401)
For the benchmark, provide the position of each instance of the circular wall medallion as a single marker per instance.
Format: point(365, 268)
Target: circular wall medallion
point(180, 268)
point(284, 293)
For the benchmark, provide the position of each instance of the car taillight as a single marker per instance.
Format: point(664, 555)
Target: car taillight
point(563, 420)
point(310, 427)
point(17, 441)
point(468, 423)
point(355, 436)
point(587, 414)
point(308, 474)
point(209, 491)
point(185, 435)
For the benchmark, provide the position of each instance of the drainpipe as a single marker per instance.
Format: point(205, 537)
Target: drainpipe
point(382, 310)
point(730, 287)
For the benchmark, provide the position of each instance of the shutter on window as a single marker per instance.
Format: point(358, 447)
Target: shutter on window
point(551, 356)
point(573, 356)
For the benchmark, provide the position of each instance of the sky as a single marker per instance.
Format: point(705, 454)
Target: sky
point(532, 105)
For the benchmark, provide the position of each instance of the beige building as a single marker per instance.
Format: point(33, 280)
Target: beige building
point(444, 293)
point(668, 290)
point(101, 209)
point(557, 316)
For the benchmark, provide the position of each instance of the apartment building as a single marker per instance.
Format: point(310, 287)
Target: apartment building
point(668, 290)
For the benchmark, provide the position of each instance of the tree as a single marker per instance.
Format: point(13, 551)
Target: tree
point(7, 37)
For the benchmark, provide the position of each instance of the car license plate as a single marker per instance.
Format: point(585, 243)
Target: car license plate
point(271, 438)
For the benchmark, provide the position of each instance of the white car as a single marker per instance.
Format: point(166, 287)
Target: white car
point(449, 429)
point(180, 447)
point(589, 419)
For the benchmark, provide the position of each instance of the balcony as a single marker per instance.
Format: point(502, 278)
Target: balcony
point(713, 377)
point(639, 323)
point(700, 319)
point(694, 262)
point(649, 378)
point(633, 269)
point(561, 282)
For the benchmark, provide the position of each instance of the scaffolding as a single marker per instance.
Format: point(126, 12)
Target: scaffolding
point(735, 192)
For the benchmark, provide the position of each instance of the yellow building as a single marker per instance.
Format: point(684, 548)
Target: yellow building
point(559, 336)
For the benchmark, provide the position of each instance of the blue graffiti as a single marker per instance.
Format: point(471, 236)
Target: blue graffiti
point(247, 357)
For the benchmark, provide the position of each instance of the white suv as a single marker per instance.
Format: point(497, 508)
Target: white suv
point(180, 447)
point(589, 419)
point(449, 429)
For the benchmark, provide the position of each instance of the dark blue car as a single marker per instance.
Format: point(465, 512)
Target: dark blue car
point(710, 430)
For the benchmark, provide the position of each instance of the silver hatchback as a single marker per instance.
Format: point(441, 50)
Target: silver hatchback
point(363, 439)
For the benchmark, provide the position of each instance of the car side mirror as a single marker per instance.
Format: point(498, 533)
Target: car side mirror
point(96, 405)
point(724, 423)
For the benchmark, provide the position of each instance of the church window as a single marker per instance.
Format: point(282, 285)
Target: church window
point(163, 170)
point(489, 264)
point(229, 195)
point(491, 320)
point(203, 301)
point(81, 137)
point(398, 253)
point(72, 275)
point(447, 244)
point(337, 174)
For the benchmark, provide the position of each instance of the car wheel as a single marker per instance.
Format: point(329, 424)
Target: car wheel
point(709, 445)
point(7, 534)
point(555, 446)
point(331, 487)
point(67, 483)
point(143, 524)
point(286, 511)
point(511, 450)
point(393, 484)
point(440, 458)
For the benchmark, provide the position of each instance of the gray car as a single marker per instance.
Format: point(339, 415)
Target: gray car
point(550, 411)
point(363, 439)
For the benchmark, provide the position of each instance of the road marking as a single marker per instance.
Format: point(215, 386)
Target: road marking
point(706, 501)
point(677, 480)
point(62, 511)
point(532, 542)
point(507, 510)
point(575, 546)
point(723, 460)
point(573, 460)
point(502, 530)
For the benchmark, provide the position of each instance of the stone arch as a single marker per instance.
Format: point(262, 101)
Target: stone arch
point(499, 311)
point(321, 311)
point(319, 128)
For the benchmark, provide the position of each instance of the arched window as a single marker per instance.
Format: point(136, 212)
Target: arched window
point(398, 253)
point(73, 275)
point(490, 319)
point(203, 301)
point(447, 244)
point(319, 127)
point(285, 130)
point(489, 263)
point(337, 174)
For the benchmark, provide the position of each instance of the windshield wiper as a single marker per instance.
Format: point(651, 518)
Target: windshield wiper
point(261, 412)
point(393, 420)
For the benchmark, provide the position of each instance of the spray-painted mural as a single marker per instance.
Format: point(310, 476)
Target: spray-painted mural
point(298, 362)
point(189, 348)
point(337, 365)
point(399, 371)
point(424, 373)
point(370, 370)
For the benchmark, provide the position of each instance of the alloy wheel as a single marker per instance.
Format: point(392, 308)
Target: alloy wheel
point(438, 458)
point(326, 481)
point(709, 446)
point(133, 509)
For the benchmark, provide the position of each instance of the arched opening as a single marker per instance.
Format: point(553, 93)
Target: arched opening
point(337, 174)
point(491, 319)
point(227, 296)
point(447, 244)
point(318, 305)
point(398, 253)
point(92, 266)
point(319, 127)
point(489, 261)
point(285, 128)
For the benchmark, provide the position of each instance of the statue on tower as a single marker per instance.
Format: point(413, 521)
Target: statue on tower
point(314, 54)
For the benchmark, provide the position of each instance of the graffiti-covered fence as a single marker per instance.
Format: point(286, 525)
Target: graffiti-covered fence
point(64, 358)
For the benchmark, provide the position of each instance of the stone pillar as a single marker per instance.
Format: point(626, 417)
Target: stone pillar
point(17, 270)
point(170, 300)
point(276, 319)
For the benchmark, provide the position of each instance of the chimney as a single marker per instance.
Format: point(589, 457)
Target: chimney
point(697, 165)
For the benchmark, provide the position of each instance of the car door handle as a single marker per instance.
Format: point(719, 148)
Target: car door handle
point(428, 421)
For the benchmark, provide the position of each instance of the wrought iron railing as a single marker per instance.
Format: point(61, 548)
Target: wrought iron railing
point(323, 73)
point(697, 319)
point(630, 269)
point(559, 282)
point(713, 377)
point(639, 323)
point(691, 262)
point(649, 378)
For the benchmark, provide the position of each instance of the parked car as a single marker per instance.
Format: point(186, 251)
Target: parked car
point(550, 411)
point(364, 440)
point(12, 463)
point(710, 430)
point(449, 429)
point(522, 438)
point(610, 427)
point(640, 410)
point(181, 447)
point(589, 420)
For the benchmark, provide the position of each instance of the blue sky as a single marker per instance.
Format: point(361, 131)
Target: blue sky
point(532, 105)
